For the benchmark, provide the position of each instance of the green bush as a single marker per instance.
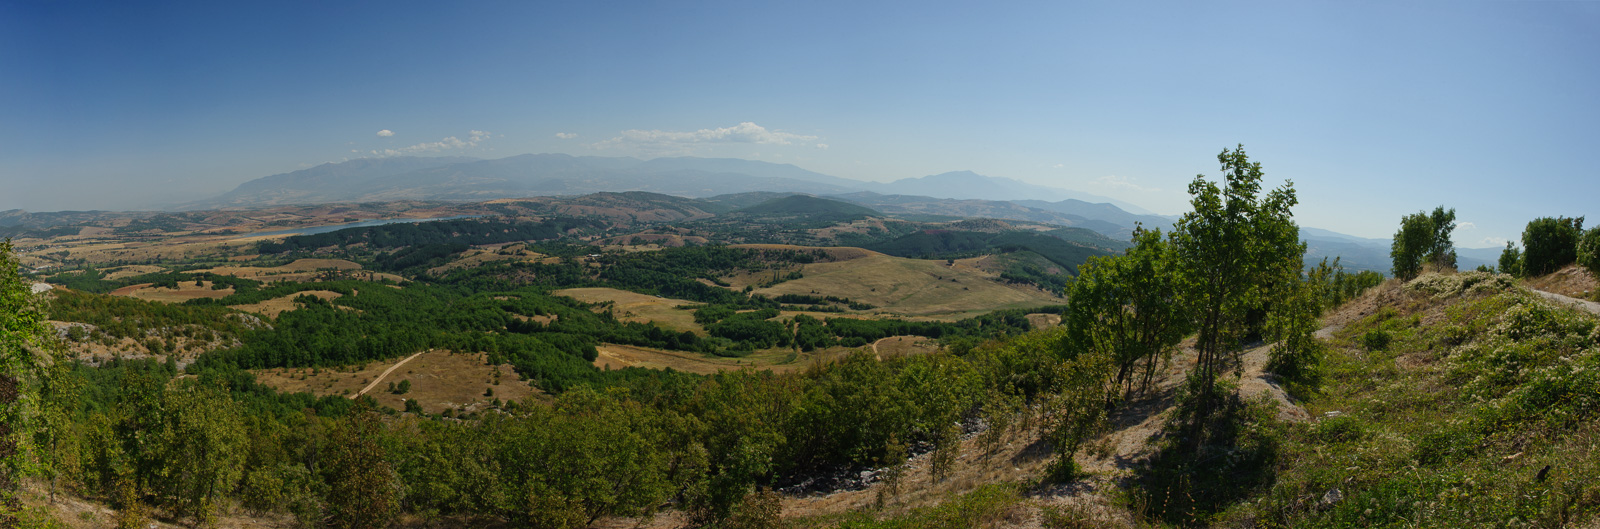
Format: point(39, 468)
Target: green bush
point(1339, 429)
point(1376, 340)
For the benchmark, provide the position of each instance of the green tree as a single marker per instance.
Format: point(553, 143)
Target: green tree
point(1231, 251)
point(363, 488)
point(1589, 251)
point(201, 449)
point(1511, 260)
point(1549, 244)
point(1417, 243)
point(1128, 308)
point(29, 367)
point(1441, 250)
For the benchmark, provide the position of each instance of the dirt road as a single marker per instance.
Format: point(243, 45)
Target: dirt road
point(385, 375)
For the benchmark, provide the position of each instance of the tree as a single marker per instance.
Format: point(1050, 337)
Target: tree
point(1549, 244)
point(201, 449)
point(1442, 251)
point(28, 368)
point(363, 489)
point(1423, 238)
point(1127, 307)
point(1511, 260)
point(1589, 251)
point(1230, 252)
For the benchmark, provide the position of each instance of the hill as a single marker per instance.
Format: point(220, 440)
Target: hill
point(807, 207)
point(946, 244)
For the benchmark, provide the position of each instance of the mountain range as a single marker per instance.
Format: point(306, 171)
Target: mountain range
point(945, 196)
point(414, 178)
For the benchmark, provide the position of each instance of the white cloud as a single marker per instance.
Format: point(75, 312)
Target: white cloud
point(667, 141)
point(1466, 226)
point(1122, 182)
point(449, 143)
point(1491, 241)
point(385, 133)
point(566, 135)
point(1059, 165)
point(822, 146)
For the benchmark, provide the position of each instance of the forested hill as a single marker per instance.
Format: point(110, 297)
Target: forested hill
point(945, 244)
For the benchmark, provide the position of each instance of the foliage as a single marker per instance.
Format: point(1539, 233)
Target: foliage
point(1231, 251)
point(1424, 238)
point(1127, 308)
point(363, 491)
point(1549, 244)
point(1589, 251)
point(1511, 260)
point(30, 368)
point(422, 234)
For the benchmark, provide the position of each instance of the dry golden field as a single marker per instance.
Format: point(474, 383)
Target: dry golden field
point(440, 380)
point(633, 306)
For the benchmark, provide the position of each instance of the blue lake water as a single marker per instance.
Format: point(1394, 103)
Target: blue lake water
point(313, 230)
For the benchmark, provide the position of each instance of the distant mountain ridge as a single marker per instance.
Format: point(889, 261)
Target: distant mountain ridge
point(413, 178)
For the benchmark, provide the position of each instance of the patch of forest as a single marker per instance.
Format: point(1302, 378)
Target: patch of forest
point(439, 232)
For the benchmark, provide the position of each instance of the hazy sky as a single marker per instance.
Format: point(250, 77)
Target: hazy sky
point(1374, 109)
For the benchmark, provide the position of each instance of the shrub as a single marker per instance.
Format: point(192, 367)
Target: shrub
point(1376, 340)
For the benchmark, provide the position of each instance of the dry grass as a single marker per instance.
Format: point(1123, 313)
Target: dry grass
point(913, 287)
point(186, 291)
point(613, 356)
point(898, 346)
point(301, 270)
point(440, 380)
point(1572, 281)
point(273, 307)
point(643, 308)
point(133, 270)
point(1044, 321)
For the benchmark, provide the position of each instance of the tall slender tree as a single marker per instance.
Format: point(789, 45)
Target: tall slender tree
point(1231, 251)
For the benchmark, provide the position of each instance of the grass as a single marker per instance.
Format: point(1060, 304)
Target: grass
point(1468, 404)
point(273, 307)
point(913, 287)
point(982, 507)
point(440, 380)
point(643, 308)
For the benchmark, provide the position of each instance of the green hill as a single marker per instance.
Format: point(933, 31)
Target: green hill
point(950, 244)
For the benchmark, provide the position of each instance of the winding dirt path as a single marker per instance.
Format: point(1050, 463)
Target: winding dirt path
point(385, 374)
point(1592, 307)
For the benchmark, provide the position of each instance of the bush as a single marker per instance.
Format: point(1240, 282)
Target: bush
point(1376, 340)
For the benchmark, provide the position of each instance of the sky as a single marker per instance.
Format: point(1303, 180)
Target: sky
point(1372, 109)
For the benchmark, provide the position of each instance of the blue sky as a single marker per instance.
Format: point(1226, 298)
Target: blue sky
point(1373, 109)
